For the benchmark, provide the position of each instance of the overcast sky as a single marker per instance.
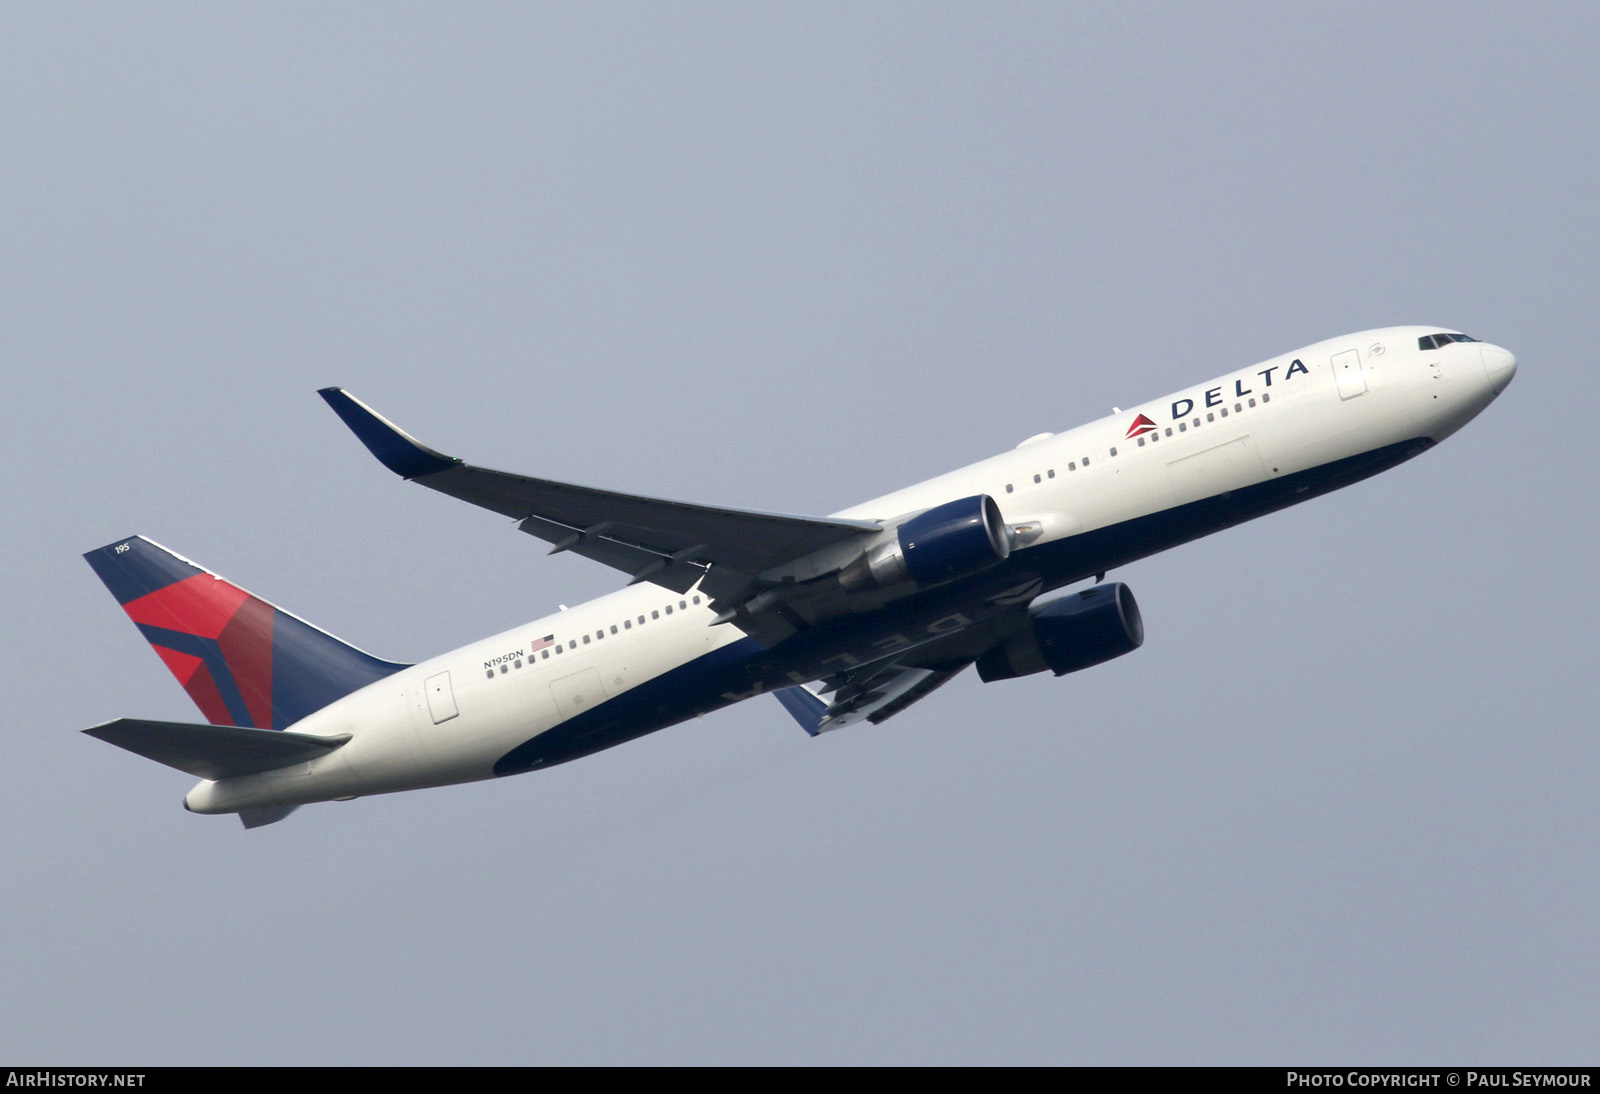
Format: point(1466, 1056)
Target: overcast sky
point(1340, 807)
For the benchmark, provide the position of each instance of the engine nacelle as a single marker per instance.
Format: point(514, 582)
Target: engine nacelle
point(946, 542)
point(1074, 632)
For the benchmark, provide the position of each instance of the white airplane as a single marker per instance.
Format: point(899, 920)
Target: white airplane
point(847, 618)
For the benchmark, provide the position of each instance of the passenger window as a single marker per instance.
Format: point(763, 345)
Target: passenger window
point(1224, 412)
point(544, 655)
point(1253, 402)
point(1169, 431)
point(503, 669)
point(613, 628)
point(1050, 474)
point(627, 624)
point(1266, 397)
point(655, 615)
point(697, 600)
point(585, 640)
point(490, 674)
point(1072, 466)
point(683, 605)
point(669, 609)
point(1183, 427)
point(1113, 451)
point(1141, 442)
point(1008, 488)
point(1037, 479)
point(517, 664)
point(1086, 461)
point(1210, 417)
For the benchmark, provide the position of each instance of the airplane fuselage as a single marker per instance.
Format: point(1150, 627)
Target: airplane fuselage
point(1079, 503)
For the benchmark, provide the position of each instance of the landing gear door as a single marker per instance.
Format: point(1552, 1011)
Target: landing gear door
point(1348, 375)
point(441, 699)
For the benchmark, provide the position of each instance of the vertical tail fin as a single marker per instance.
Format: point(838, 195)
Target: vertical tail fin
point(243, 661)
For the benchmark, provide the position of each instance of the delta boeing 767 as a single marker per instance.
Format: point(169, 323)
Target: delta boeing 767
point(843, 619)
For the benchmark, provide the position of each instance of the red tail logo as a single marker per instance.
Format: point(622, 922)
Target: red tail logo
point(1141, 424)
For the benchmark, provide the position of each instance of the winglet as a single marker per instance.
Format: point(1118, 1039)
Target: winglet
point(395, 448)
point(804, 707)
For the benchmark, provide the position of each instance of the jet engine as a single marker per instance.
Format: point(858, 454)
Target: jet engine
point(1074, 632)
point(941, 544)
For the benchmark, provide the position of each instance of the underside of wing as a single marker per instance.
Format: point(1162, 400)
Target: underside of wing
point(868, 696)
point(878, 691)
point(732, 554)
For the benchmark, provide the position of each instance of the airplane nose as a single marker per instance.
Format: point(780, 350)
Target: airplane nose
point(1500, 364)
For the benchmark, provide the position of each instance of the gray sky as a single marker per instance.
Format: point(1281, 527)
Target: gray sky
point(1341, 806)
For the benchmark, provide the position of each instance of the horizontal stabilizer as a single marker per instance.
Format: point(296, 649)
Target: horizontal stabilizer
point(214, 752)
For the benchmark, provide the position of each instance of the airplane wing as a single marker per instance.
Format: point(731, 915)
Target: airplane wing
point(878, 691)
point(864, 696)
point(670, 543)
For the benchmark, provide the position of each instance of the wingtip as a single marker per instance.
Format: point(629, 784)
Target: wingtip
point(394, 447)
point(805, 708)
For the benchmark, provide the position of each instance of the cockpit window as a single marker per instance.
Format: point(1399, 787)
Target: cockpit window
point(1434, 341)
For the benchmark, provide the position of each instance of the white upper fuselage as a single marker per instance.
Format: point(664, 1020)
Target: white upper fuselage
point(449, 719)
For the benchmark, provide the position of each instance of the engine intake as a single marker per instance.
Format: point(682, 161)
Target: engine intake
point(946, 542)
point(1076, 631)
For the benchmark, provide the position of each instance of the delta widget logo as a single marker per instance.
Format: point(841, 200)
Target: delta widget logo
point(1141, 425)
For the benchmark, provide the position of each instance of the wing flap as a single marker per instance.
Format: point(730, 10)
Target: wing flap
point(214, 752)
point(918, 690)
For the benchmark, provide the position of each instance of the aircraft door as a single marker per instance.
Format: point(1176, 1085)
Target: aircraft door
point(441, 698)
point(1348, 375)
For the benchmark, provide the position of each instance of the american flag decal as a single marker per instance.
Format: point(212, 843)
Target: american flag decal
point(541, 643)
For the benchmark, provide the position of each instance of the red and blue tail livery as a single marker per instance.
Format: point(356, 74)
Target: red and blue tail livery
point(243, 661)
